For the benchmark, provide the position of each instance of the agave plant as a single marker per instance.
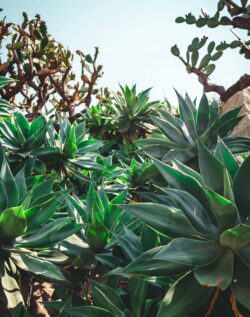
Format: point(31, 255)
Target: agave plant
point(132, 299)
point(113, 178)
point(91, 248)
point(178, 137)
point(130, 111)
point(111, 302)
point(98, 121)
point(107, 242)
point(141, 174)
point(207, 218)
point(70, 151)
point(5, 106)
point(21, 138)
point(27, 226)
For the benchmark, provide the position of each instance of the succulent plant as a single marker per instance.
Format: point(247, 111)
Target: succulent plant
point(179, 135)
point(42, 70)
point(5, 106)
point(130, 111)
point(207, 218)
point(204, 66)
point(101, 219)
point(69, 151)
point(27, 225)
point(98, 122)
point(21, 138)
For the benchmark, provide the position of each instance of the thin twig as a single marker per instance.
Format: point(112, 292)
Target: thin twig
point(234, 306)
point(213, 302)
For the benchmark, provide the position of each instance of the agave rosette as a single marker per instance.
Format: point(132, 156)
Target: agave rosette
point(21, 138)
point(178, 135)
point(70, 151)
point(207, 218)
point(5, 106)
point(130, 111)
point(27, 225)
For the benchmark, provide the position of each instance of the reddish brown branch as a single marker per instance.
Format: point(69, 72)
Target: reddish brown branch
point(224, 94)
point(233, 8)
point(234, 306)
point(241, 84)
point(213, 302)
point(241, 23)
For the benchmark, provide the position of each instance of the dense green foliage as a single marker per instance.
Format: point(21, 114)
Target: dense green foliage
point(120, 226)
point(128, 208)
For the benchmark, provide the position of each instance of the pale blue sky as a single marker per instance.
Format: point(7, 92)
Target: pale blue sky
point(134, 37)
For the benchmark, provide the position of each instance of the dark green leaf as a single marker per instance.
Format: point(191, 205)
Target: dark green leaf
point(107, 298)
point(163, 219)
point(241, 284)
point(211, 169)
point(183, 297)
point(147, 265)
point(97, 235)
point(241, 189)
point(190, 252)
point(88, 311)
point(217, 274)
point(13, 223)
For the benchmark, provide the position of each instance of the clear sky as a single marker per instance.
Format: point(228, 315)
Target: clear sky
point(134, 37)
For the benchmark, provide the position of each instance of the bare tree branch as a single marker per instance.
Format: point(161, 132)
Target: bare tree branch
point(224, 94)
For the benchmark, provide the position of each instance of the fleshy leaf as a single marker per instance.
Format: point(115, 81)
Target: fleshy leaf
point(183, 297)
point(219, 273)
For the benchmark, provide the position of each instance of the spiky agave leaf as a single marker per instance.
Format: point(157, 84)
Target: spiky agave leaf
point(27, 224)
point(178, 135)
point(217, 254)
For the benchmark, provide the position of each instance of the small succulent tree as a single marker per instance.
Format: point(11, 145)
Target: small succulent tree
point(202, 64)
point(42, 69)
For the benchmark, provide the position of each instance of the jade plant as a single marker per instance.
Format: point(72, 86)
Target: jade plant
point(228, 13)
point(41, 67)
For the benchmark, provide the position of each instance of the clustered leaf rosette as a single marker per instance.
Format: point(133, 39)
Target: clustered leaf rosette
point(130, 111)
point(109, 303)
point(178, 135)
point(103, 224)
point(27, 225)
point(207, 218)
point(21, 138)
point(5, 106)
point(70, 151)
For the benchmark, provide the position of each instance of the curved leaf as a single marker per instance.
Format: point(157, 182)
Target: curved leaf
point(192, 209)
point(183, 297)
point(13, 223)
point(236, 238)
point(88, 311)
point(102, 292)
point(211, 169)
point(241, 189)
point(226, 157)
point(183, 181)
point(146, 265)
point(190, 252)
point(225, 212)
point(217, 274)
point(163, 219)
point(241, 284)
